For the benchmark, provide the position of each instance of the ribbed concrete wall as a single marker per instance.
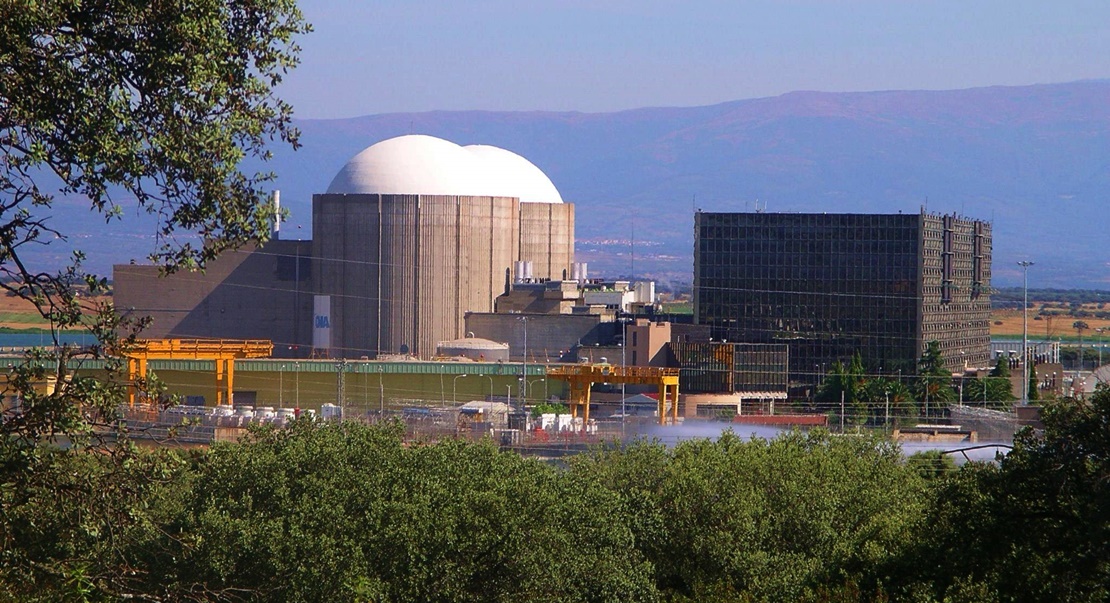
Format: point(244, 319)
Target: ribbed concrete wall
point(547, 238)
point(403, 269)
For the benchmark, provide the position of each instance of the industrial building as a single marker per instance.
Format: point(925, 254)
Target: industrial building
point(832, 285)
point(412, 233)
point(550, 320)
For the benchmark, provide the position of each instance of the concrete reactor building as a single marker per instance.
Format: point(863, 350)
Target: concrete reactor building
point(412, 233)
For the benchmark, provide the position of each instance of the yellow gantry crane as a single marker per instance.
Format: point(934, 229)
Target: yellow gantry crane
point(580, 377)
point(222, 351)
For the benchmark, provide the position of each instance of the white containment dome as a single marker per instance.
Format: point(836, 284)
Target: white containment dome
point(425, 165)
point(411, 165)
point(514, 176)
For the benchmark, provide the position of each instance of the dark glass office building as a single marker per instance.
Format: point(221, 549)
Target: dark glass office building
point(831, 285)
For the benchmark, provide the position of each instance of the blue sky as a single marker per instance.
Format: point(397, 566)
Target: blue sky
point(606, 55)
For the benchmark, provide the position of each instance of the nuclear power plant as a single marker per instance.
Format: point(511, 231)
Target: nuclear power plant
point(412, 233)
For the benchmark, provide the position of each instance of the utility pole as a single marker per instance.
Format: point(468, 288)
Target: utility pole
point(1025, 264)
point(340, 384)
point(522, 391)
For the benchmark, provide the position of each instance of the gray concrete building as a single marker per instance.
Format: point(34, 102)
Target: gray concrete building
point(249, 293)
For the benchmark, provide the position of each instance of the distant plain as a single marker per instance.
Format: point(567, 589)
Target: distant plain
point(1047, 320)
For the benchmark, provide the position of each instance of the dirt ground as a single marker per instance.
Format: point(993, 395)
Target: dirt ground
point(16, 313)
point(19, 314)
point(1050, 326)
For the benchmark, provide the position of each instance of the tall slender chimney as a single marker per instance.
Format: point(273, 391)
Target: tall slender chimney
point(275, 233)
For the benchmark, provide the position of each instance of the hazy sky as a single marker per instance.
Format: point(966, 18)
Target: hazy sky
point(604, 55)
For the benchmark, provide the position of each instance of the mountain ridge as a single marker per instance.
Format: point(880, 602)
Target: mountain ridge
point(1035, 160)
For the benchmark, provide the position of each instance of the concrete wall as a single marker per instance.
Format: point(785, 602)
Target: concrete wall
point(547, 239)
point(550, 337)
point(251, 293)
point(300, 385)
point(403, 269)
point(647, 343)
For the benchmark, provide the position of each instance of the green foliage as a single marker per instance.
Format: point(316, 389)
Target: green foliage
point(932, 361)
point(883, 396)
point(345, 512)
point(1012, 297)
point(143, 101)
point(1034, 387)
point(931, 464)
point(845, 385)
point(780, 520)
point(1071, 358)
point(934, 382)
point(991, 392)
point(1032, 528)
point(549, 407)
point(158, 104)
point(867, 400)
point(1001, 367)
point(78, 525)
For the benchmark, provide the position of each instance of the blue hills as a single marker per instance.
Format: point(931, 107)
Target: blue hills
point(1034, 160)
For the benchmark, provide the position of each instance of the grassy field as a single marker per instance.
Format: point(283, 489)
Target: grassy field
point(19, 315)
point(1052, 322)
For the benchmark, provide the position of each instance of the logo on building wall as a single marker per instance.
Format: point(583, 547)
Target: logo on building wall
point(321, 322)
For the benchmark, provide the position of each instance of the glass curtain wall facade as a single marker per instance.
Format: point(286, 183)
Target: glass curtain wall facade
point(832, 285)
point(721, 368)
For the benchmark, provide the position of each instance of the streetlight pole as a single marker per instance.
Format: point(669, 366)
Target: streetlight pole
point(381, 393)
point(1025, 264)
point(523, 393)
point(624, 346)
point(535, 381)
point(297, 365)
point(453, 382)
point(281, 384)
point(1100, 331)
point(886, 421)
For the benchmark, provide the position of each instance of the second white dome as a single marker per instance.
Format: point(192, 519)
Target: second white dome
point(416, 164)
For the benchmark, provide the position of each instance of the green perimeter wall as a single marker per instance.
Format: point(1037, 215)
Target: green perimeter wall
point(315, 382)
